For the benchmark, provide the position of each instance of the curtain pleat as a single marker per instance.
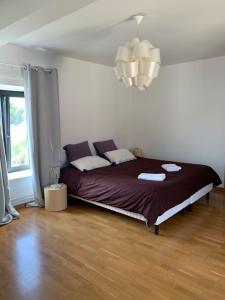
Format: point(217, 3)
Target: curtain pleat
point(43, 119)
point(7, 211)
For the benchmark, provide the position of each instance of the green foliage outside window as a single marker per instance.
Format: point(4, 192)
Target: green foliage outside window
point(16, 115)
point(19, 154)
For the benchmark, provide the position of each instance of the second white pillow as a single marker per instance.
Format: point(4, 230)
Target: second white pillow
point(119, 156)
point(90, 163)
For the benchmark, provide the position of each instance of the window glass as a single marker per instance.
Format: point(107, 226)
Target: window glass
point(14, 129)
point(18, 133)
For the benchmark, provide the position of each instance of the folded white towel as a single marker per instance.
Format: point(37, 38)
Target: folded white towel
point(151, 176)
point(171, 167)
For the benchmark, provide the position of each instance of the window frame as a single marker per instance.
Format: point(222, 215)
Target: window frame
point(5, 108)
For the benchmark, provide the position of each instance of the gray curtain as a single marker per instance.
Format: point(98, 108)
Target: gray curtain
point(7, 211)
point(42, 111)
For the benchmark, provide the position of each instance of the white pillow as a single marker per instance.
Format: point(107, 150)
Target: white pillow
point(119, 156)
point(90, 163)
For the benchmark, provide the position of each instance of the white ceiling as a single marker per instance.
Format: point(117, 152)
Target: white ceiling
point(184, 30)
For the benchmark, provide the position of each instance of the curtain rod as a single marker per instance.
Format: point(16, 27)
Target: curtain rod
point(47, 69)
point(10, 65)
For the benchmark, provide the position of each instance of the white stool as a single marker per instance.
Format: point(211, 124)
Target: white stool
point(55, 197)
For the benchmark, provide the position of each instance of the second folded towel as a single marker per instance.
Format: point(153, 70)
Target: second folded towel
point(171, 167)
point(152, 176)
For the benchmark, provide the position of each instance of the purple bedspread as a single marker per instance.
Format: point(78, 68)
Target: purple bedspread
point(118, 186)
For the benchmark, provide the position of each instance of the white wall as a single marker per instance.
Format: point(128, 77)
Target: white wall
point(182, 115)
point(21, 190)
point(93, 106)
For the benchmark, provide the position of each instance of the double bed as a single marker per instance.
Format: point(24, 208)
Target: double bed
point(118, 188)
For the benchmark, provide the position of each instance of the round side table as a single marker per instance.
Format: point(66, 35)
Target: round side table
point(55, 197)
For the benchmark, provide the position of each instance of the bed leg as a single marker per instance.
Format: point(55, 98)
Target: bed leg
point(156, 229)
point(182, 212)
point(207, 198)
point(189, 208)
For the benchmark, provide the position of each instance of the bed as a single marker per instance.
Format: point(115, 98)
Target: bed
point(117, 188)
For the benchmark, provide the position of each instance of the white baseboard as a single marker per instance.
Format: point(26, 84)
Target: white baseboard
point(22, 200)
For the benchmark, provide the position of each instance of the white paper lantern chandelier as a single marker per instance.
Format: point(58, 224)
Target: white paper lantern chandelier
point(137, 62)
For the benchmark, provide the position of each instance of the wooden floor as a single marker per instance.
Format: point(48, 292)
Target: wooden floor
point(87, 253)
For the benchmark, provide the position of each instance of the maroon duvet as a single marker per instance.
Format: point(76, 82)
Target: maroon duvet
point(118, 186)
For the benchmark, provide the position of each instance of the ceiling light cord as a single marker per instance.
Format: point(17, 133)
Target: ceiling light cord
point(138, 19)
point(137, 31)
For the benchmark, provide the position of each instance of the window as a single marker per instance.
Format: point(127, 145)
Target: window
point(14, 130)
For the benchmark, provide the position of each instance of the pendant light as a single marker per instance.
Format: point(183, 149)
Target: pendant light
point(137, 62)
